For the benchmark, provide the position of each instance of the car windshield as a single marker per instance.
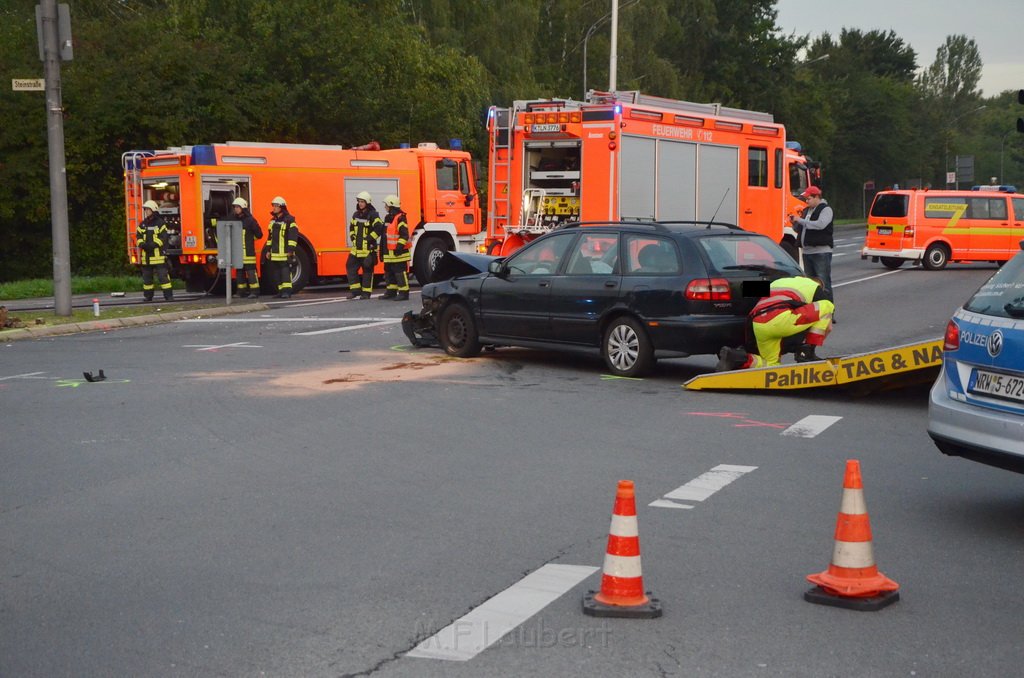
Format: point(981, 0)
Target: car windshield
point(1003, 294)
point(747, 252)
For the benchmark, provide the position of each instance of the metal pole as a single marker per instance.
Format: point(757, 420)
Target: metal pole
point(58, 172)
point(614, 56)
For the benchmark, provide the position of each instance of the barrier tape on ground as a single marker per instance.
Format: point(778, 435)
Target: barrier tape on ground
point(831, 372)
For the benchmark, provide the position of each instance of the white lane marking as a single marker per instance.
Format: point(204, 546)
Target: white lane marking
point(470, 635)
point(665, 503)
point(311, 319)
point(810, 426)
point(705, 485)
point(870, 277)
point(390, 321)
point(27, 375)
point(840, 254)
point(211, 347)
point(851, 244)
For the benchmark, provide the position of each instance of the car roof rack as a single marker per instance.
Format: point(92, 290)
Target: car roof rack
point(656, 225)
point(695, 222)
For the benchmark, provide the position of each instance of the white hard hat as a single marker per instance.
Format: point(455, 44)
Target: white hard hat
point(365, 196)
point(392, 201)
point(240, 202)
point(279, 201)
point(151, 205)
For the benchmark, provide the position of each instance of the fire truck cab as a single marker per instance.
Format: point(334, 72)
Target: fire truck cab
point(626, 155)
point(195, 186)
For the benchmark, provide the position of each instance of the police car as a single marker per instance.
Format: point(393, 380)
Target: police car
point(976, 407)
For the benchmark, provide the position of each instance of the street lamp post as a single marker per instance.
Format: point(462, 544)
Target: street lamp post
point(945, 162)
point(1002, 177)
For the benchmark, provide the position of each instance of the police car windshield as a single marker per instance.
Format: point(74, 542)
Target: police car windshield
point(1003, 294)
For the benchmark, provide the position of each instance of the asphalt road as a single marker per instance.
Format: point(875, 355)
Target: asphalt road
point(298, 492)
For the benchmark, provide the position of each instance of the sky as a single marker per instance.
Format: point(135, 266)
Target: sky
point(995, 26)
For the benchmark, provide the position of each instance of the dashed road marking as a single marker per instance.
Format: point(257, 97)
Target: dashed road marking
point(389, 321)
point(470, 635)
point(703, 486)
point(27, 375)
point(212, 347)
point(810, 426)
point(870, 277)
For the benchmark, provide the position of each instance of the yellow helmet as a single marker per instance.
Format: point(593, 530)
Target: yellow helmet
point(240, 202)
point(279, 201)
point(151, 205)
point(364, 196)
point(392, 201)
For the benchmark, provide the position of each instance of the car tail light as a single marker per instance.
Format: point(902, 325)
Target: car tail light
point(951, 342)
point(908, 232)
point(709, 289)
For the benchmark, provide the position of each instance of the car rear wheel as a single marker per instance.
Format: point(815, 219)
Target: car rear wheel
point(626, 349)
point(892, 262)
point(457, 332)
point(936, 257)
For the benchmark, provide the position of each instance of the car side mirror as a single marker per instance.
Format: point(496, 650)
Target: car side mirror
point(469, 199)
point(498, 268)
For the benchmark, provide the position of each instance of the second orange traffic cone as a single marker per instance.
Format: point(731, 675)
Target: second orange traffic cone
point(622, 584)
point(852, 579)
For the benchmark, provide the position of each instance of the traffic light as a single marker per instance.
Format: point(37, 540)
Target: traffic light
point(1020, 100)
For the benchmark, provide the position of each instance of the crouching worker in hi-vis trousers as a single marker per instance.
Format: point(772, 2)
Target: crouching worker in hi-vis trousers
point(792, 306)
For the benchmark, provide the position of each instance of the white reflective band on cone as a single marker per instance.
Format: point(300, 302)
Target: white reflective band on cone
point(622, 566)
point(853, 503)
point(624, 526)
point(853, 554)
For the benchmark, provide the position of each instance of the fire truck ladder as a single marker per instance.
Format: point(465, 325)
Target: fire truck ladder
point(131, 162)
point(499, 207)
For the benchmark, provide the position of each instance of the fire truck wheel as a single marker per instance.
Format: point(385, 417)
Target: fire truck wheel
point(301, 269)
point(892, 262)
point(457, 332)
point(626, 349)
point(428, 253)
point(936, 257)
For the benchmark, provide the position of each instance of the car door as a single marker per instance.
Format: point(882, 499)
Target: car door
point(651, 270)
point(515, 303)
point(586, 289)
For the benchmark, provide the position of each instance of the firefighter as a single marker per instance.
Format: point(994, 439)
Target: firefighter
point(283, 238)
point(395, 251)
point(792, 306)
point(248, 283)
point(363, 237)
point(150, 239)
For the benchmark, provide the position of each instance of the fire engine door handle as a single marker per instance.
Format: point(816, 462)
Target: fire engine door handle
point(748, 211)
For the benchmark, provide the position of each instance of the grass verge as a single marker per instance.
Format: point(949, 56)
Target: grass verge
point(47, 318)
point(43, 287)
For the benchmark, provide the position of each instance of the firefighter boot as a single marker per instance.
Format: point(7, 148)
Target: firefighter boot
point(243, 293)
point(168, 295)
point(731, 359)
point(390, 294)
point(147, 296)
point(402, 296)
point(806, 354)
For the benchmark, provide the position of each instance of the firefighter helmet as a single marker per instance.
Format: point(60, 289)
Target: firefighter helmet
point(279, 201)
point(150, 205)
point(364, 196)
point(240, 202)
point(392, 201)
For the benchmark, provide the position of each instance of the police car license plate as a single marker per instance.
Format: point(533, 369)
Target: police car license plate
point(546, 127)
point(997, 385)
point(884, 231)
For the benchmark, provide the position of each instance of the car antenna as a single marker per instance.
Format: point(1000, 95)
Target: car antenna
point(718, 208)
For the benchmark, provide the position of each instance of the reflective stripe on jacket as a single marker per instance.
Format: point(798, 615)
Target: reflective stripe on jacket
point(364, 231)
point(284, 236)
point(150, 239)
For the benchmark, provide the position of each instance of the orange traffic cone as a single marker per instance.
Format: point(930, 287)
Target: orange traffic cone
point(622, 584)
point(852, 580)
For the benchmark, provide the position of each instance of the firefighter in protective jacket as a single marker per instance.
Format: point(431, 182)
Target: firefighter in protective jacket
point(395, 251)
point(151, 240)
point(283, 239)
point(363, 238)
point(793, 305)
point(248, 282)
